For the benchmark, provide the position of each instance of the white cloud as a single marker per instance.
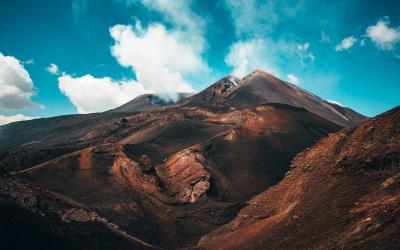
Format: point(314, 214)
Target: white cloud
point(336, 102)
point(245, 56)
point(53, 69)
point(266, 54)
point(304, 53)
point(325, 38)
point(382, 35)
point(160, 58)
point(190, 25)
point(163, 59)
point(293, 79)
point(346, 43)
point(30, 61)
point(89, 94)
point(14, 118)
point(303, 47)
point(16, 86)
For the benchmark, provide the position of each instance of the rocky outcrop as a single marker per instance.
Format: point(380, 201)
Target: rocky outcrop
point(134, 174)
point(185, 175)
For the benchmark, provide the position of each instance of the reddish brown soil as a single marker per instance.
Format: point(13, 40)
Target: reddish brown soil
point(344, 192)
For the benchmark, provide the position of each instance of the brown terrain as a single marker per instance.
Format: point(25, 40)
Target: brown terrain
point(212, 169)
point(344, 192)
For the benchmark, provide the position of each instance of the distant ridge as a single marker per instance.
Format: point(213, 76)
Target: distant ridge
point(149, 102)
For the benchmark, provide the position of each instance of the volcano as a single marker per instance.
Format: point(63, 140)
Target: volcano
point(192, 173)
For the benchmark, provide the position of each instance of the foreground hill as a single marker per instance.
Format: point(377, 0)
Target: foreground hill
point(33, 218)
point(344, 192)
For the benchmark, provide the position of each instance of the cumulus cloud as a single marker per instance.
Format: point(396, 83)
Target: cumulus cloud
point(14, 118)
point(89, 94)
point(159, 57)
point(346, 43)
point(293, 79)
point(163, 59)
point(181, 17)
point(384, 36)
point(53, 69)
point(16, 86)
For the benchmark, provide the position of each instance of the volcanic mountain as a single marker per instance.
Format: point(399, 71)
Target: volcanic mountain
point(260, 87)
point(154, 174)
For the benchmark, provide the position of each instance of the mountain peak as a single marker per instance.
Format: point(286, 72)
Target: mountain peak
point(261, 87)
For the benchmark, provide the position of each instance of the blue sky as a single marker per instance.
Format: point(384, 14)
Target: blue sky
point(106, 52)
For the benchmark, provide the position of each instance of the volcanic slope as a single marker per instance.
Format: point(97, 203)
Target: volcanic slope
point(260, 87)
point(342, 193)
